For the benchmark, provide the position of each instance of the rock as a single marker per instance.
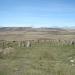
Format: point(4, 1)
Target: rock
point(71, 61)
point(8, 50)
point(28, 44)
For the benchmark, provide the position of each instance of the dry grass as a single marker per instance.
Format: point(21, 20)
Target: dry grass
point(42, 58)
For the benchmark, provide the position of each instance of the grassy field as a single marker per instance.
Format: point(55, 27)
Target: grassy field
point(53, 54)
point(39, 59)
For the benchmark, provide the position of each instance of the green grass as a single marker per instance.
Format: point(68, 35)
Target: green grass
point(39, 59)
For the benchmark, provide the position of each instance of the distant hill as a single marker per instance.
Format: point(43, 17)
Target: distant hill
point(29, 28)
point(24, 33)
point(14, 28)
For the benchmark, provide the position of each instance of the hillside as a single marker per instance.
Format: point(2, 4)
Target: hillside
point(26, 33)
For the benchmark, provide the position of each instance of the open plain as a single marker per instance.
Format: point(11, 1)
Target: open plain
point(37, 51)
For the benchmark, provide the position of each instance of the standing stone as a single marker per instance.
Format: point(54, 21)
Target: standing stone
point(28, 44)
point(73, 42)
point(19, 45)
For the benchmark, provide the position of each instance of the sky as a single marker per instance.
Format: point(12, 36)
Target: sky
point(37, 13)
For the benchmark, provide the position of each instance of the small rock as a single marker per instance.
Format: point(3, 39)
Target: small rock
point(71, 61)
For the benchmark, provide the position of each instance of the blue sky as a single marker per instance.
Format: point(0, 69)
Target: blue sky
point(37, 13)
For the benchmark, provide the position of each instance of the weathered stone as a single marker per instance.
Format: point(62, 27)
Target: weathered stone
point(28, 44)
